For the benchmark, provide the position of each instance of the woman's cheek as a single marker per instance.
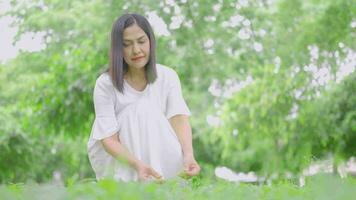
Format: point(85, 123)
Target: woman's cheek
point(126, 56)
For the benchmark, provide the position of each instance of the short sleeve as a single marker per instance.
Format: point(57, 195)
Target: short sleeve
point(175, 102)
point(105, 124)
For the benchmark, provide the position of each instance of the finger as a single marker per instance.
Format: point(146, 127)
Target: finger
point(188, 171)
point(185, 167)
point(197, 167)
point(155, 174)
point(142, 179)
point(189, 168)
point(193, 170)
point(159, 181)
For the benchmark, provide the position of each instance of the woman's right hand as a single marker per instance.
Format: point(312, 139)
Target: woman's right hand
point(145, 172)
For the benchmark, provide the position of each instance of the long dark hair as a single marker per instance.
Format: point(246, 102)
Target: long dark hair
point(118, 67)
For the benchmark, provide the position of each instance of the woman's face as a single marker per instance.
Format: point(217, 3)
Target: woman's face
point(136, 46)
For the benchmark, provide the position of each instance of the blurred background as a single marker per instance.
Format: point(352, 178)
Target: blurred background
point(270, 83)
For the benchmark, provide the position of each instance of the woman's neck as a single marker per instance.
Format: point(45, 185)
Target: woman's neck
point(136, 75)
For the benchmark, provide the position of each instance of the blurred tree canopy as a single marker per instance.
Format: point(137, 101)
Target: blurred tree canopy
point(263, 79)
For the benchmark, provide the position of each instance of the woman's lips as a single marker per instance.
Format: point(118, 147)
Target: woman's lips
point(137, 58)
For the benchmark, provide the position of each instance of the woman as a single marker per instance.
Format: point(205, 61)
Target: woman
point(141, 129)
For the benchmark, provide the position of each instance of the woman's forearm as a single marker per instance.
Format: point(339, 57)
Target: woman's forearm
point(117, 150)
point(181, 126)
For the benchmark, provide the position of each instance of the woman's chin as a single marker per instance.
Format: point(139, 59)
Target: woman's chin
point(138, 65)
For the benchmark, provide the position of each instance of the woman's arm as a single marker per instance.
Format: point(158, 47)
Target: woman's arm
point(181, 126)
point(113, 146)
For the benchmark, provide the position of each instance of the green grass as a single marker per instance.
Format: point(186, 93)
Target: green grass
point(318, 187)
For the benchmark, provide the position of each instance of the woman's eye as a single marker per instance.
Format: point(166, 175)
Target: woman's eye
point(141, 42)
point(125, 45)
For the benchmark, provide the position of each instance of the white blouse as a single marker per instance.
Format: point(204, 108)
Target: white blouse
point(140, 118)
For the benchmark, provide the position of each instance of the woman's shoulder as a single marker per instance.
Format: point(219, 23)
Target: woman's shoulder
point(104, 78)
point(164, 71)
point(104, 81)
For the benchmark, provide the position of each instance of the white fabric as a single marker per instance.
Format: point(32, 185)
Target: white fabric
point(141, 120)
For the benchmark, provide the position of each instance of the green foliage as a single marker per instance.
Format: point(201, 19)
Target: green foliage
point(15, 150)
point(24, 158)
point(267, 131)
point(259, 128)
point(46, 96)
point(330, 121)
point(321, 187)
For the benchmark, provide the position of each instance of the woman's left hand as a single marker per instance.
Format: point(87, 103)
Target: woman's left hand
point(191, 167)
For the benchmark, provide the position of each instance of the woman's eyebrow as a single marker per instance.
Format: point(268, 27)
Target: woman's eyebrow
point(128, 40)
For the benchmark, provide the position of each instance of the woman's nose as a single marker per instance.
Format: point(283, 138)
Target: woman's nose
point(136, 49)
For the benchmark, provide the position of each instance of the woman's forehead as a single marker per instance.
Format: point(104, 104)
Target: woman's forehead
point(133, 32)
point(132, 39)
